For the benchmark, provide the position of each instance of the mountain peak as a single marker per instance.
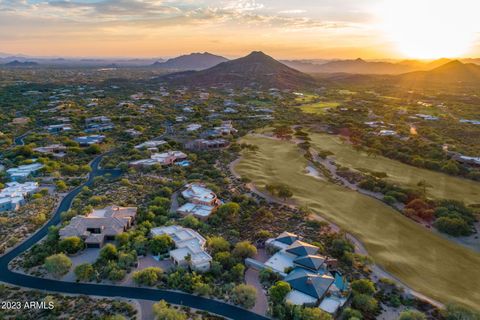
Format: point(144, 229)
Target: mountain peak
point(192, 61)
point(258, 55)
point(256, 69)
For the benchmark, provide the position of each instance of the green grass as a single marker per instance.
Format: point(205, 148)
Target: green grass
point(422, 259)
point(306, 98)
point(319, 107)
point(443, 186)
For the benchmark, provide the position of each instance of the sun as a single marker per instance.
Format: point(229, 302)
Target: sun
point(424, 29)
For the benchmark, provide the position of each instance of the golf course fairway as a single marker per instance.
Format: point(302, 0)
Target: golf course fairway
point(443, 186)
point(423, 260)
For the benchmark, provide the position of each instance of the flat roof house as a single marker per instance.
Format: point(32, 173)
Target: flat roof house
point(100, 225)
point(204, 144)
point(164, 159)
point(89, 140)
point(189, 247)
point(13, 196)
point(22, 172)
point(150, 144)
point(57, 150)
point(201, 201)
point(54, 128)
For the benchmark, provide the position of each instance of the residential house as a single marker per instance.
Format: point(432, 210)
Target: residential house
point(189, 247)
point(476, 122)
point(23, 172)
point(57, 150)
point(387, 133)
point(193, 127)
point(226, 128)
point(89, 140)
point(55, 128)
point(310, 274)
point(150, 144)
point(13, 196)
point(202, 202)
point(163, 159)
point(98, 124)
point(471, 161)
point(204, 144)
point(133, 133)
point(426, 117)
point(100, 225)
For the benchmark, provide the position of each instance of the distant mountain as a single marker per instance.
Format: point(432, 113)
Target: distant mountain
point(16, 63)
point(451, 72)
point(193, 61)
point(255, 70)
point(358, 66)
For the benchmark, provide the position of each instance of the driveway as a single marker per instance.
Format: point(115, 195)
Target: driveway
point(88, 255)
point(261, 301)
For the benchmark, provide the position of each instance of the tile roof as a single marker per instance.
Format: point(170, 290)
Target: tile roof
point(313, 262)
point(301, 248)
point(314, 285)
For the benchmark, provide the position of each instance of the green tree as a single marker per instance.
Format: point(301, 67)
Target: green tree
point(350, 313)
point(148, 276)
point(108, 252)
point(71, 245)
point(163, 312)
point(279, 291)
point(217, 244)
point(365, 303)
point(284, 192)
point(58, 264)
point(93, 149)
point(363, 286)
point(314, 314)
point(84, 272)
point(228, 210)
point(161, 244)
point(456, 312)
point(61, 185)
point(244, 250)
point(244, 295)
point(412, 315)
point(451, 167)
point(454, 226)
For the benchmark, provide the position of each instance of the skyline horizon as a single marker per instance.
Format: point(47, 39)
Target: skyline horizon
point(309, 29)
point(5, 55)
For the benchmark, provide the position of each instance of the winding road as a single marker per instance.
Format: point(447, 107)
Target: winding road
point(174, 297)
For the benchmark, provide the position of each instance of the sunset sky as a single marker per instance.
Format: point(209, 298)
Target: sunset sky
point(282, 28)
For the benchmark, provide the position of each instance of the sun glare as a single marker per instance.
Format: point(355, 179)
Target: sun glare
point(424, 29)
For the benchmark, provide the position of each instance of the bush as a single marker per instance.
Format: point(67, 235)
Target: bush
point(244, 295)
point(108, 252)
point(244, 250)
point(279, 291)
point(161, 244)
point(84, 272)
point(363, 286)
point(71, 245)
point(163, 312)
point(453, 226)
point(148, 276)
point(217, 244)
point(365, 303)
point(58, 264)
point(412, 315)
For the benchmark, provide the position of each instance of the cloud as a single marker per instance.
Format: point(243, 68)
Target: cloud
point(292, 11)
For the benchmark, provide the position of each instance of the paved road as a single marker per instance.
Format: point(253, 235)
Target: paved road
point(174, 297)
